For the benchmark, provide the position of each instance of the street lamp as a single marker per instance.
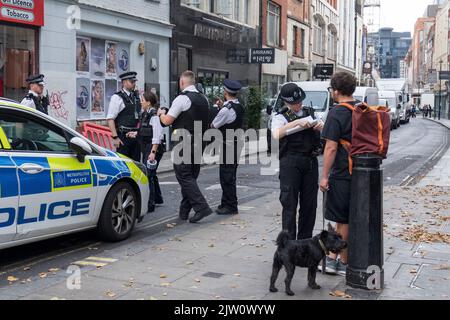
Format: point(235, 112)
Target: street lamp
point(440, 90)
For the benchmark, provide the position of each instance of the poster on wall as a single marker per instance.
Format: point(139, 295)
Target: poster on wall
point(111, 59)
point(123, 58)
point(83, 99)
point(98, 61)
point(98, 99)
point(110, 90)
point(83, 54)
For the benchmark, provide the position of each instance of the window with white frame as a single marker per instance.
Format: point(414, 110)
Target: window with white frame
point(273, 24)
point(318, 46)
point(238, 10)
point(332, 43)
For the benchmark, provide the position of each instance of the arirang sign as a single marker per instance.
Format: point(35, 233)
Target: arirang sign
point(22, 11)
point(262, 56)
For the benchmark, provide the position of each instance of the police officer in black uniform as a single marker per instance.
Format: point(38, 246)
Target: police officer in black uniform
point(123, 117)
point(35, 98)
point(299, 168)
point(229, 119)
point(188, 108)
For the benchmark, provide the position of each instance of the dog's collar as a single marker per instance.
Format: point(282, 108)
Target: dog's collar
point(322, 245)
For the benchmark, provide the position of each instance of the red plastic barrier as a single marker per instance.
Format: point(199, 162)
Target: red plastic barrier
point(98, 134)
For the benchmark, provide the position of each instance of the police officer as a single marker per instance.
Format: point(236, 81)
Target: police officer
point(35, 98)
point(228, 120)
point(188, 108)
point(299, 169)
point(123, 117)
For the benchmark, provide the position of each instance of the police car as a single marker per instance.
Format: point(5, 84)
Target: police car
point(54, 182)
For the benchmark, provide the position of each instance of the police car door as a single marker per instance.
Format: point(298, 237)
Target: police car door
point(56, 190)
point(9, 191)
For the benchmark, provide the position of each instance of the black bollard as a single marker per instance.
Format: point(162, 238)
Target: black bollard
point(366, 254)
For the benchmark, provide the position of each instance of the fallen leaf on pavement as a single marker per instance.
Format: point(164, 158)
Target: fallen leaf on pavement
point(165, 294)
point(26, 269)
point(53, 270)
point(163, 276)
point(153, 299)
point(165, 284)
point(237, 274)
point(197, 280)
point(337, 293)
point(443, 267)
point(110, 294)
point(212, 245)
point(12, 279)
point(170, 226)
point(413, 271)
point(189, 263)
point(43, 275)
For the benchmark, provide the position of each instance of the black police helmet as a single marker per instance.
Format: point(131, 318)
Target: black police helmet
point(292, 93)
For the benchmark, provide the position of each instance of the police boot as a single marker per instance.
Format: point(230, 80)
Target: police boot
point(226, 212)
point(200, 216)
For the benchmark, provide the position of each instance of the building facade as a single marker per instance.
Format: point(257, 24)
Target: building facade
point(392, 48)
point(347, 36)
point(274, 35)
point(213, 38)
point(86, 45)
point(324, 34)
point(298, 33)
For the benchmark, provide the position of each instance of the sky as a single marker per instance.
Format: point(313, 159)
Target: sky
point(402, 14)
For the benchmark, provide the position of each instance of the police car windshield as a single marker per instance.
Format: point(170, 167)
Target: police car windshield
point(317, 99)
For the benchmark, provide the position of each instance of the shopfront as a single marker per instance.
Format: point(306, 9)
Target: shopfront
point(20, 23)
point(82, 63)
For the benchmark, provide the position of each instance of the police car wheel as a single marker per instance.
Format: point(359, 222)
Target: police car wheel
point(119, 213)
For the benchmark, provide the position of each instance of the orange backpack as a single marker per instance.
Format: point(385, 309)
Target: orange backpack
point(371, 131)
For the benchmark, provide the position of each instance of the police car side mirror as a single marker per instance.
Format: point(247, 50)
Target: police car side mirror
point(80, 147)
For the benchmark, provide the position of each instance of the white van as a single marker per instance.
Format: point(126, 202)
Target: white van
point(368, 95)
point(396, 106)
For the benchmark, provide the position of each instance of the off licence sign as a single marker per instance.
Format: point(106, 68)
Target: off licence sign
point(262, 56)
point(22, 11)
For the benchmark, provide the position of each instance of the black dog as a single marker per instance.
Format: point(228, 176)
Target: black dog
point(305, 254)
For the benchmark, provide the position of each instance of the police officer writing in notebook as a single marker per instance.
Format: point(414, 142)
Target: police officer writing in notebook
point(229, 119)
point(123, 117)
point(299, 168)
point(189, 108)
point(35, 98)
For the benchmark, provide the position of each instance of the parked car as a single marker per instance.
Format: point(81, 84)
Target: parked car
point(368, 95)
point(56, 182)
point(394, 104)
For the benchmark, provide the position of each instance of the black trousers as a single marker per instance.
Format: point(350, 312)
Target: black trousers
point(130, 147)
point(228, 172)
point(187, 175)
point(228, 182)
point(299, 180)
point(155, 189)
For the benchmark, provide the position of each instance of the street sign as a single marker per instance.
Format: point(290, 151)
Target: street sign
point(262, 56)
point(432, 76)
point(237, 56)
point(444, 75)
point(324, 71)
point(367, 69)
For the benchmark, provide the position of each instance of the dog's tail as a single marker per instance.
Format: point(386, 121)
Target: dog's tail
point(283, 239)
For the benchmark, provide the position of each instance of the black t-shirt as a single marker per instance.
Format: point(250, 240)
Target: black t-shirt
point(339, 126)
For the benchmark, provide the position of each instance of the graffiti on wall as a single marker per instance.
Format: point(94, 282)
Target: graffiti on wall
point(58, 105)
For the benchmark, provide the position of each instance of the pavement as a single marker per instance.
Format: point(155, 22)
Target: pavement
point(230, 258)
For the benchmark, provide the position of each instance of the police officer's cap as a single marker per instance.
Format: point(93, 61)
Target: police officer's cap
point(292, 93)
point(132, 76)
point(37, 78)
point(232, 86)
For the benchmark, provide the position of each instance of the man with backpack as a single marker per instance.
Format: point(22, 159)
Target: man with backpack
point(336, 177)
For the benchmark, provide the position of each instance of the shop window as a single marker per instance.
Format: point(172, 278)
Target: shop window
point(18, 56)
point(99, 63)
point(211, 82)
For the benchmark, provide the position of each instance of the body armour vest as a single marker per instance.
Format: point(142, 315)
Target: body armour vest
point(41, 103)
point(239, 122)
point(146, 129)
point(303, 142)
point(129, 117)
point(198, 112)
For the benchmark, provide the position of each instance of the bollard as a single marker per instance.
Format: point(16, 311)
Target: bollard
point(366, 254)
